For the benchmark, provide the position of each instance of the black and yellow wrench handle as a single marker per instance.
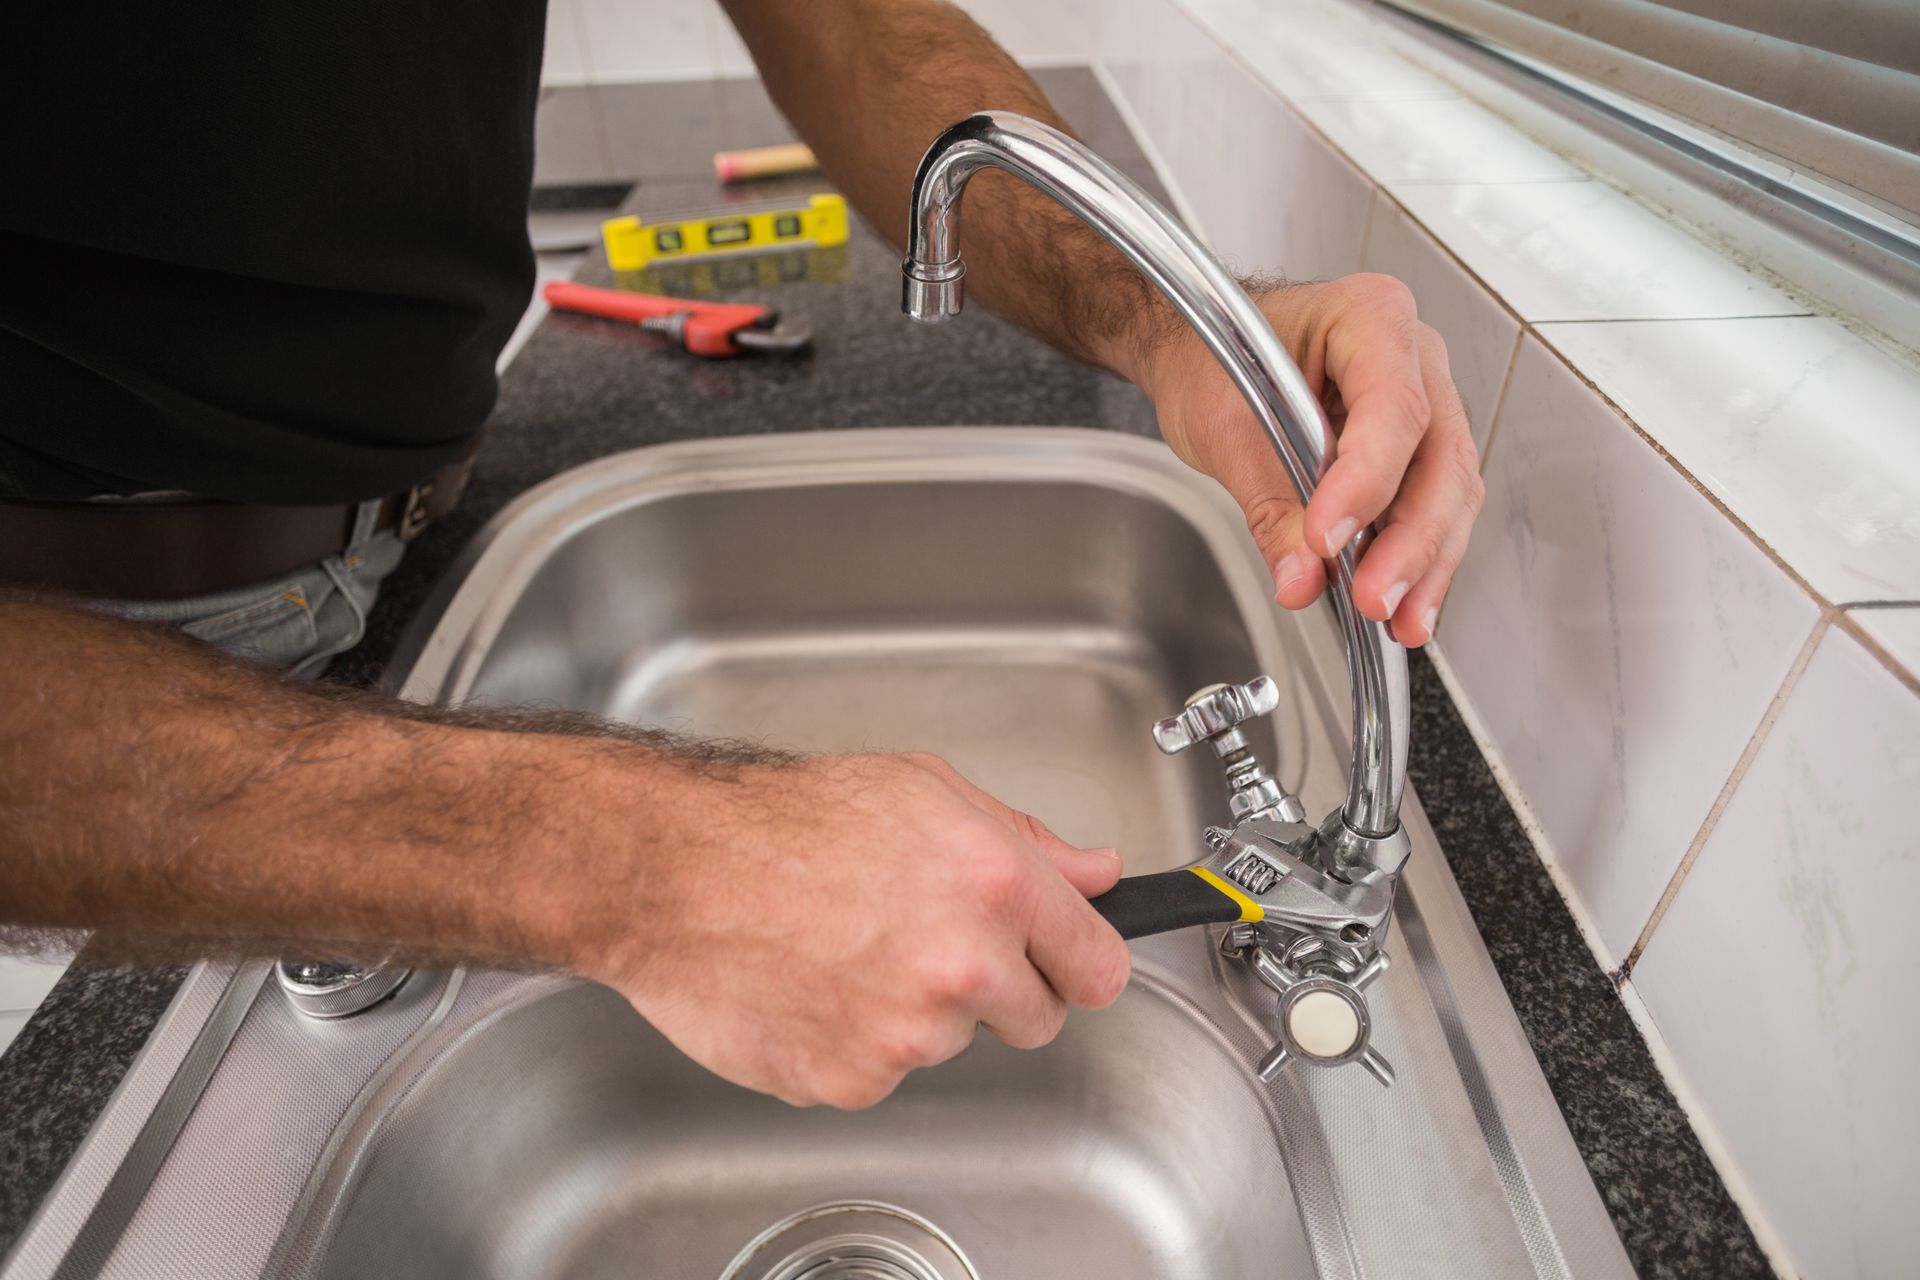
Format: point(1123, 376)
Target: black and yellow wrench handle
point(1168, 900)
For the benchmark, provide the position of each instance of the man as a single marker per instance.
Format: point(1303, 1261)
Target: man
point(265, 254)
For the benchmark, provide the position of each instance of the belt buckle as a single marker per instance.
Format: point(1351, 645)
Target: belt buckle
point(414, 515)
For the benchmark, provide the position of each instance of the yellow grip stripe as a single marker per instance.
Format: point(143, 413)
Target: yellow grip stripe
point(1249, 909)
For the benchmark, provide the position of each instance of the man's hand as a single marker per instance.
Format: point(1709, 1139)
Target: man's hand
point(829, 925)
point(1405, 455)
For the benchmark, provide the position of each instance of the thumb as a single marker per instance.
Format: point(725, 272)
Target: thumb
point(1090, 871)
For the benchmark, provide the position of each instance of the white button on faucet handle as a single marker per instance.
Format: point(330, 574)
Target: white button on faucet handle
point(1323, 1025)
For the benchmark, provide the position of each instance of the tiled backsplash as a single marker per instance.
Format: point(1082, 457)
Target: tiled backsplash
point(616, 41)
point(1618, 637)
point(1689, 626)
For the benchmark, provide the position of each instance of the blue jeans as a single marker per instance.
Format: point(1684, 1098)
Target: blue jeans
point(297, 622)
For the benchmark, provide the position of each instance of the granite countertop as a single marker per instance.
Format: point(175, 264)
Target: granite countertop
point(584, 388)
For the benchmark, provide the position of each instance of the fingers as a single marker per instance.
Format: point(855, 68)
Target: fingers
point(1257, 480)
point(1419, 613)
point(1025, 1011)
point(1081, 956)
point(1407, 569)
point(1082, 959)
point(1071, 955)
point(1372, 353)
point(1278, 526)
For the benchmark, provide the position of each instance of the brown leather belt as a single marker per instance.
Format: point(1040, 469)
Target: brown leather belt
point(170, 550)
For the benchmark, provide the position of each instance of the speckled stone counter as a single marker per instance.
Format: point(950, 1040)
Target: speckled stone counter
point(585, 388)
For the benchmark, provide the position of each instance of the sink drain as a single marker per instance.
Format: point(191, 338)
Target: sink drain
point(851, 1240)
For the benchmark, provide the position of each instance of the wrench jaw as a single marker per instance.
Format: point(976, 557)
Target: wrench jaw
point(770, 336)
point(1322, 898)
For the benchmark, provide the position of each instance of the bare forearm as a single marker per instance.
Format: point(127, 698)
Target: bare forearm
point(155, 790)
point(870, 83)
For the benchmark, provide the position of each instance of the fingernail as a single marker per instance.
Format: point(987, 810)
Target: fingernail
point(1340, 535)
point(1431, 619)
point(1107, 853)
point(1395, 594)
point(1291, 569)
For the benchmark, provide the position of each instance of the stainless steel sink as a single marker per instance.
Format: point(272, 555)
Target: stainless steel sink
point(570, 1140)
point(1026, 603)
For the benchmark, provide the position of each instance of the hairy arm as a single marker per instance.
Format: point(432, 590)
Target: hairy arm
point(869, 83)
point(153, 788)
point(188, 803)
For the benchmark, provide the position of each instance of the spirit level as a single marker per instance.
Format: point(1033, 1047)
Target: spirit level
point(633, 244)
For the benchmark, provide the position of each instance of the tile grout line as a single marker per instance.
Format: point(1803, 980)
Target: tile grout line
point(1845, 620)
point(580, 41)
point(1149, 150)
point(1749, 315)
point(1493, 424)
point(1500, 401)
point(1523, 812)
point(1366, 225)
point(1775, 707)
point(1701, 1121)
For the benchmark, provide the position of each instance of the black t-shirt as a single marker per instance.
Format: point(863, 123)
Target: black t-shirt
point(265, 250)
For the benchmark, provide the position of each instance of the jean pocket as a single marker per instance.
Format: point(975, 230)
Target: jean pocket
point(277, 627)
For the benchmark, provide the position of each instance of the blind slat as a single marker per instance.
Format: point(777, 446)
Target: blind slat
point(1854, 121)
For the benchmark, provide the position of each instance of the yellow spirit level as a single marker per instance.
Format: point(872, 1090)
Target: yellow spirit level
point(633, 245)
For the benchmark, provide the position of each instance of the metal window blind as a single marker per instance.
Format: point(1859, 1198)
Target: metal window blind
point(1827, 86)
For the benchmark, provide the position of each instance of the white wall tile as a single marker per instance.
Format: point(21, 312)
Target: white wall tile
point(25, 983)
point(1808, 434)
point(1480, 333)
point(1039, 31)
point(1157, 64)
point(1268, 195)
point(1619, 638)
point(614, 40)
point(1450, 140)
point(654, 40)
point(1783, 975)
point(730, 56)
point(564, 61)
point(569, 138)
point(1583, 251)
point(10, 1024)
point(1895, 630)
point(1309, 51)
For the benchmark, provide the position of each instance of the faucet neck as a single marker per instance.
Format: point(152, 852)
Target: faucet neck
point(1210, 300)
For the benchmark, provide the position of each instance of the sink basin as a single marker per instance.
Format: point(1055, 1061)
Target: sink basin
point(1025, 603)
point(569, 1141)
point(1028, 627)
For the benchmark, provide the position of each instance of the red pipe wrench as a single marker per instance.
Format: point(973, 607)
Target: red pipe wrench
point(703, 328)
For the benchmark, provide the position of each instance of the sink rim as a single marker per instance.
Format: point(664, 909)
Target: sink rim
point(440, 652)
point(1462, 983)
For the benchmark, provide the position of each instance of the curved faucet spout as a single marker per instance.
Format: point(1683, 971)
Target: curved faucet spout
point(1234, 329)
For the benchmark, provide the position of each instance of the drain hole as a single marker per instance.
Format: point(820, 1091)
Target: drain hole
point(860, 1257)
point(852, 1240)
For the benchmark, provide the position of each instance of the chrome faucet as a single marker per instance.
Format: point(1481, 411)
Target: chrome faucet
point(1314, 903)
